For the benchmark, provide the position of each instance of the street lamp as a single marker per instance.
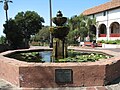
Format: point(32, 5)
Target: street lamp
point(51, 38)
point(6, 7)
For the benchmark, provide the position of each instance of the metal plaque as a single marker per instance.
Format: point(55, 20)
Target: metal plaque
point(63, 76)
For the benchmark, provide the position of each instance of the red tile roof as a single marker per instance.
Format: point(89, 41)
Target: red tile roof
point(107, 6)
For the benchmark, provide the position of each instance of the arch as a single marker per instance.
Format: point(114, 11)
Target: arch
point(102, 30)
point(115, 29)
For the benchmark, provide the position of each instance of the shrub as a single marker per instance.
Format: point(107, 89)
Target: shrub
point(109, 41)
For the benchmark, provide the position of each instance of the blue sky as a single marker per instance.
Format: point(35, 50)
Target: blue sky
point(69, 8)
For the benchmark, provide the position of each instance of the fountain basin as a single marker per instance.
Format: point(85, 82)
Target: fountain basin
point(59, 31)
point(42, 75)
point(59, 20)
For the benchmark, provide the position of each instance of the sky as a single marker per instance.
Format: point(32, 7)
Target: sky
point(69, 8)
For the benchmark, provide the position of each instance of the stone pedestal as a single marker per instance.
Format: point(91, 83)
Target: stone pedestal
point(59, 49)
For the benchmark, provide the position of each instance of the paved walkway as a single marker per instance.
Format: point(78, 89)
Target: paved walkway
point(4, 85)
point(115, 85)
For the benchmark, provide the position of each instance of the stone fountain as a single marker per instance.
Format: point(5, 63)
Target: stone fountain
point(30, 75)
point(59, 33)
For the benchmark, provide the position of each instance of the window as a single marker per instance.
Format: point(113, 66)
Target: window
point(93, 16)
point(104, 13)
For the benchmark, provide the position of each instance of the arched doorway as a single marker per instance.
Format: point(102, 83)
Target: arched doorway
point(102, 30)
point(115, 29)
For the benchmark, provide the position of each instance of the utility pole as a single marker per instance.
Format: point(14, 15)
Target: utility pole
point(51, 38)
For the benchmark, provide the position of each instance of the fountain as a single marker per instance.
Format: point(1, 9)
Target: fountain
point(32, 75)
point(59, 33)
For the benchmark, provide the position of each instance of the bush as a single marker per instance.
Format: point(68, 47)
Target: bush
point(101, 41)
point(109, 41)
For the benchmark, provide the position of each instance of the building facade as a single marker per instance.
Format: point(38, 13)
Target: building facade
point(108, 20)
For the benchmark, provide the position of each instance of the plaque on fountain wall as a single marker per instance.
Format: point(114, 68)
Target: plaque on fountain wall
point(63, 76)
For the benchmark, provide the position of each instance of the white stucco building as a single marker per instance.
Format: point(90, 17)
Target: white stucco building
point(108, 20)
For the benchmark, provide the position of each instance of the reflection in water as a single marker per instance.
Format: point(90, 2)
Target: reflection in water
point(46, 55)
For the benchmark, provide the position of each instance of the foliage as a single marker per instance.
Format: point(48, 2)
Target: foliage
point(72, 37)
point(19, 30)
point(83, 57)
point(2, 39)
point(117, 41)
point(28, 57)
point(41, 37)
point(30, 22)
point(109, 41)
point(14, 36)
point(101, 41)
point(80, 26)
point(73, 56)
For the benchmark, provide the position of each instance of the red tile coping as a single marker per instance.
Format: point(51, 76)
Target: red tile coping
point(42, 75)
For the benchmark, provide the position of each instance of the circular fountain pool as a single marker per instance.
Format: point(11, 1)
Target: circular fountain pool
point(43, 75)
point(46, 56)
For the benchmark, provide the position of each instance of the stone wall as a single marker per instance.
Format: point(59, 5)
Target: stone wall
point(9, 71)
point(44, 76)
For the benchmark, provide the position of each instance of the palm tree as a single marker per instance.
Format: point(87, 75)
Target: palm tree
point(81, 25)
point(74, 22)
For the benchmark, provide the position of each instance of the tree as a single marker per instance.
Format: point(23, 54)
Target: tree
point(89, 23)
point(80, 26)
point(73, 22)
point(14, 36)
point(2, 39)
point(30, 23)
point(22, 27)
point(44, 33)
point(42, 36)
